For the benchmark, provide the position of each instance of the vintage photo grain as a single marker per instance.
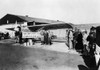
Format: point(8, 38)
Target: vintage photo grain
point(49, 34)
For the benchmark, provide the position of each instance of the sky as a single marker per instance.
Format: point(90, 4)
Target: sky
point(73, 11)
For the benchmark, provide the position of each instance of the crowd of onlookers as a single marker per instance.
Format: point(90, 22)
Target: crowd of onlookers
point(82, 41)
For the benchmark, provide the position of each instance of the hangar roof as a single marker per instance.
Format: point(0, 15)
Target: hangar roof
point(11, 18)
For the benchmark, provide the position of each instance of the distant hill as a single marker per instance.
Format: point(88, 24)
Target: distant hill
point(86, 26)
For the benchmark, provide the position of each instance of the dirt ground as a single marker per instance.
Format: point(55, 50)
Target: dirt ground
point(16, 57)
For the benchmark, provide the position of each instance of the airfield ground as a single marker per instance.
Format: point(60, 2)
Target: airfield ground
point(39, 57)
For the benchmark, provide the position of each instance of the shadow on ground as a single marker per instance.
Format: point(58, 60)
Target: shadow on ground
point(82, 67)
point(89, 62)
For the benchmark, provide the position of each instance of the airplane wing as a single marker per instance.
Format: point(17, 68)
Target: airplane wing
point(50, 26)
point(35, 28)
point(12, 29)
point(57, 26)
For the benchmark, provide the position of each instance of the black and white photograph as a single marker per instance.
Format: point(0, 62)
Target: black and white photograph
point(49, 34)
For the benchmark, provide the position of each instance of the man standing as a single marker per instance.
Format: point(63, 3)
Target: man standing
point(79, 44)
point(16, 34)
point(42, 38)
point(49, 37)
point(70, 39)
point(92, 40)
point(45, 37)
point(75, 35)
point(85, 43)
point(20, 35)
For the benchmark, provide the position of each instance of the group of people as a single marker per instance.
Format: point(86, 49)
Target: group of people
point(4, 35)
point(46, 37)
point(81, 41)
